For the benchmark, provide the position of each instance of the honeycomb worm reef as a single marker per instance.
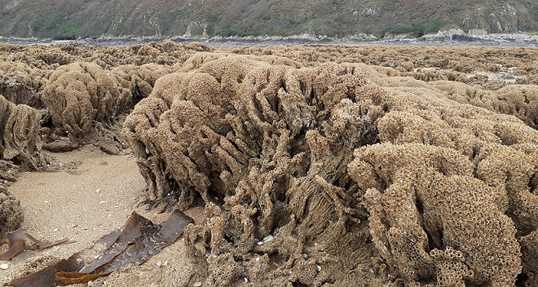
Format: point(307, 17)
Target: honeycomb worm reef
point(317, 165)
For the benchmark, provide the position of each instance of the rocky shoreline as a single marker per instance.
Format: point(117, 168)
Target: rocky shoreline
point(455, 37)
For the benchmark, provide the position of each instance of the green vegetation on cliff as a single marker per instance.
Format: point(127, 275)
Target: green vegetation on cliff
point(64, 19)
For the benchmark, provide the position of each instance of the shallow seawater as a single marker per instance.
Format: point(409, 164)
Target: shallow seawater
point(257, 42)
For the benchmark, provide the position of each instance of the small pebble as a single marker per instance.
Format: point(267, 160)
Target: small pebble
point(4, 266)
point(197, 284)
point(102, 201)
point(246, 280)
point(97, 190)
point(258, 259)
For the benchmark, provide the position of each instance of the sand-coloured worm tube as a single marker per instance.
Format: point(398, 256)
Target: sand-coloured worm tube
point(79, 94)
point(517, 100)
point(428, 203)
point(19, 148)
point(19, 135)
point(21, 84)
point(139, 79)
point(464, 177)
point(11, 214)
point(266, 148)
point(459, 72)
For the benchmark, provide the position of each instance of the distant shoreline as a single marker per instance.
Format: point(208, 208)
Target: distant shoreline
point(439, 39)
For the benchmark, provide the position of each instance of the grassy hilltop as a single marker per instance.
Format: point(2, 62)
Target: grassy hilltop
point(162, 18)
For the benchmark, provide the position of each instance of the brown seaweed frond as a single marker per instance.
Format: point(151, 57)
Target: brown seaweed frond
point(17, 241)
point(139, 240)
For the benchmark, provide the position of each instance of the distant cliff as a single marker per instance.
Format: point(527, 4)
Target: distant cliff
point(205, 18)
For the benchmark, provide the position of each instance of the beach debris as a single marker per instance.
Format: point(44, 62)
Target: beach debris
point(17, 243)
point(4, 266)
point(266, 239)
point(61, 145)
point(139, 240)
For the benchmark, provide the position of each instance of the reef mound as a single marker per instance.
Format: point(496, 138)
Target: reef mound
point(319, 176)
point(19, 136)
point(11, 215)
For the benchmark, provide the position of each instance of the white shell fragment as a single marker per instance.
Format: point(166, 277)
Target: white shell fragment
point(4, 266)
point(266, 239)
point(319, 268)
point(197, 284)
